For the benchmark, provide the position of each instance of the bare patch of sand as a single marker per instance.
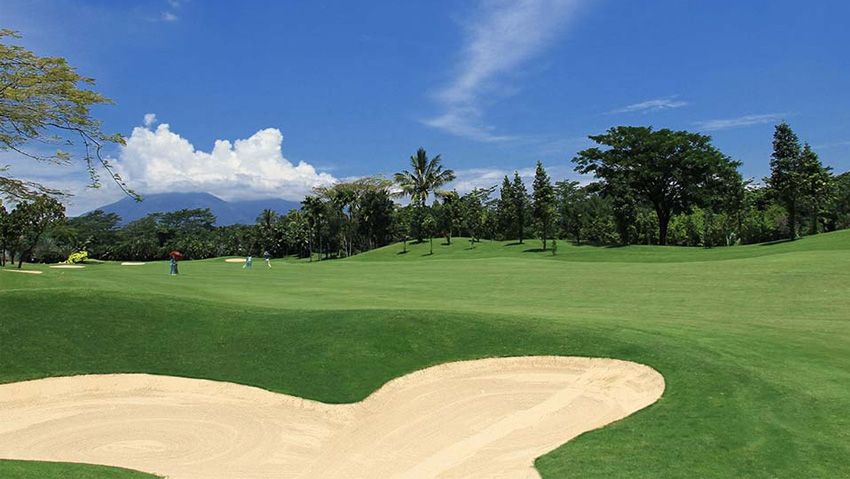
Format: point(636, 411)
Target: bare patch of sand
point(132, 263)
point(234, 260)
point(25, 271)
point(67, 266)
point(473, 419)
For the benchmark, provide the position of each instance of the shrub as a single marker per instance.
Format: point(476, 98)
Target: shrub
point(78, 257)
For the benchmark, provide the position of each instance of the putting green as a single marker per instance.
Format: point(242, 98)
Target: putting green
point(752, 341)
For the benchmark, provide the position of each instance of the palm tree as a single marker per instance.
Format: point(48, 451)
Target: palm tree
point(424, 177)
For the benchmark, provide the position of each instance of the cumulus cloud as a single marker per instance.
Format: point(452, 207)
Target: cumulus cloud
point(657, 104)
point(160, 160)
point(150, 119)
point(740, 122)
point(502, 35)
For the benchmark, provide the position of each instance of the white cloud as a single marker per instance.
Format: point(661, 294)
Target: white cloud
point(835, 144)
point(658, 104)
point(168, 17)
point(741, 121)
point(469, 179)
point(503, 35)
point(150, 119)
point(159, 160)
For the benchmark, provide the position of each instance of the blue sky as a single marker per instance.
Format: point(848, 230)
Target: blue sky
point(492, 85)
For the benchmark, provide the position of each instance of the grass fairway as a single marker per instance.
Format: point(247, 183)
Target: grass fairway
point(753, 342)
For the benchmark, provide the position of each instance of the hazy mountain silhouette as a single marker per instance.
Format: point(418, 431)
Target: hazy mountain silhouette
point(226, 212)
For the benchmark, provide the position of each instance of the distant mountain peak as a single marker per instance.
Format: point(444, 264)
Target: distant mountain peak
point(226, 212)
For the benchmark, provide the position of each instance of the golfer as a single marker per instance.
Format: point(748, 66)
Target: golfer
point(173, 266)
point(249, 263)
point(268, 258)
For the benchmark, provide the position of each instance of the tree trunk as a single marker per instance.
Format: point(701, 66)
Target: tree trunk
point(431, 240)
point(545, 230)
point(663, 222)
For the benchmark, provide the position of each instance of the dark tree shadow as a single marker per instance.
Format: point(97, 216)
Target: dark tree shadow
point(775, 242)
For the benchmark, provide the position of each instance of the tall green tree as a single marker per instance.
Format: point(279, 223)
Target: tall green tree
point(29, 221)
point(429, 225)
point(44, 102)
point(474, 212)
point(544, 202)
point(95, 232)
point(839, 205)
point(6, 237)
point(268, 233)
point(450, 217)
point(670, 170)
point(570, 200)
point(520, 201)
point(816, 185)
point(314, 210)
point(505, 210)
point(785, 180)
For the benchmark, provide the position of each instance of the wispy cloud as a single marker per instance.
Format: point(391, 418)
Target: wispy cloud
point(168, 17)
point(740, 122)
point(502, 35)
point(658, 104)
point(834, 144)
point(469, 179)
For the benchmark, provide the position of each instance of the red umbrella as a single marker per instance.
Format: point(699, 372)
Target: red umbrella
point(176, 255)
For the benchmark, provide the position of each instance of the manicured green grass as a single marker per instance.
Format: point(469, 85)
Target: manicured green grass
point(63, 470)
point(754, 342)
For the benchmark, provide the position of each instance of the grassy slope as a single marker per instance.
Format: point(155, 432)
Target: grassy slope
point(63, 470)
point(753, 341)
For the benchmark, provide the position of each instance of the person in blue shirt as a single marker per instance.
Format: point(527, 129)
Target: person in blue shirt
point(249, 263)
point(268, 257)
point(173, 266)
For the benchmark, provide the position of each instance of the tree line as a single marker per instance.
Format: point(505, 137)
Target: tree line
point(656, 187)
point(648, 187)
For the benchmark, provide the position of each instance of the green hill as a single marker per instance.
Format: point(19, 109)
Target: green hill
point(753, 341)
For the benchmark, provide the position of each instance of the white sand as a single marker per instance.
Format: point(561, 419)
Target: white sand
point(25, 271)
point(132, 263)
point(234, 260)
point(67, 266)
point(475, 419)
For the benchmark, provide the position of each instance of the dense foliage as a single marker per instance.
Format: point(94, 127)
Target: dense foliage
point(653, 187)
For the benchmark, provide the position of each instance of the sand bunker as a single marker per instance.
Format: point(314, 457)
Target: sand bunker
point(234, 260)
point(132, 263)
point(474, 419)
point(25, 271)
point(67, 266)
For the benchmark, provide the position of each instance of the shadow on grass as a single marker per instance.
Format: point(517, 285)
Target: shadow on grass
point(402, 252)
point(775, 242)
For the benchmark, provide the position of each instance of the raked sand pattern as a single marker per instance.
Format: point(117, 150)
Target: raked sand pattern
point(488, 418)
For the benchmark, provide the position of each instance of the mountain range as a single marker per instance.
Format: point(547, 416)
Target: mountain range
point(226, 212)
